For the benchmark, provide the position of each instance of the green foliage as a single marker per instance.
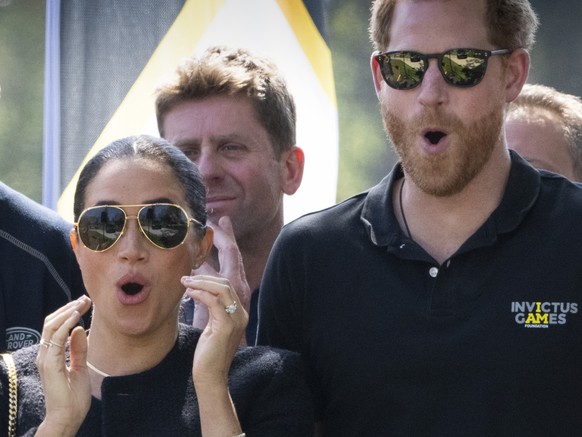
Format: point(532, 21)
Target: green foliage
point(365, 154)
point(21, 106)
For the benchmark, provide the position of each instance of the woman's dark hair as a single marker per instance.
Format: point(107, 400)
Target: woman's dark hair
point(155, 149)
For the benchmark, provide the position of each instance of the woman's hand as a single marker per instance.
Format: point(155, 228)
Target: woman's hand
point(215, 351)
point(223, 332)
point(67, 390)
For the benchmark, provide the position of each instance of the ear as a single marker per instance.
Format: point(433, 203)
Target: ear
point(73, 238)
point(376, 73)
point(516, 73)
point(293, 162)
point(75, 244)
point(205, 245)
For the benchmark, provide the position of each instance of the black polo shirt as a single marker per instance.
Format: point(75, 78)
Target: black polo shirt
point(487, 344)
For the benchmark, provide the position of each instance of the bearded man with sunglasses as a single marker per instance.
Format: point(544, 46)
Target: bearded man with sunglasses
point(445, 300)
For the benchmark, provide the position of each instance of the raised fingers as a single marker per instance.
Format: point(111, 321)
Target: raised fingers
point(217, 294)
point(58, 324)
point(210, 290)
point(67, 390)
point(230, 259)
point(223, 333)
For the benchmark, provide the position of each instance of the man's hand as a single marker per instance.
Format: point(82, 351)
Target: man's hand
point(231, 268)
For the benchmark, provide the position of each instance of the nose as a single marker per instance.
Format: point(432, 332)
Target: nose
point(433, 89)
point(209, 164)
point(132, 245)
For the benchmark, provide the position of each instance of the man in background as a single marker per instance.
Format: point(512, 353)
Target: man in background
point(230, 111)
point(545, 127)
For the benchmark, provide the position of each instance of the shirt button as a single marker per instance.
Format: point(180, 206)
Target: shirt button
point(433, 272)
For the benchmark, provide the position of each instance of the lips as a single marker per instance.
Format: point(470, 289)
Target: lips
point(218, 205)
point(218, 199)
point(132, 289)
point(435, 140)
point(434, 136)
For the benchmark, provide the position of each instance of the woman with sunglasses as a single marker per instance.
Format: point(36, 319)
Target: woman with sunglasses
point(140, 229)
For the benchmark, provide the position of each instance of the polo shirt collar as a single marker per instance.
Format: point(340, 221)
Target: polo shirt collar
point(521, 193)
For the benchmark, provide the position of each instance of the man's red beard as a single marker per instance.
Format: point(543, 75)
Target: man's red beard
point(444, 174)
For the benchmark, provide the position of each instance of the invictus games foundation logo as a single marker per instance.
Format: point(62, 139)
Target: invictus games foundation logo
point(542, 314)
point(19, 337)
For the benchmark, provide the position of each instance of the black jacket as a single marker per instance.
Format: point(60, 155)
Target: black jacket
point(38, 269)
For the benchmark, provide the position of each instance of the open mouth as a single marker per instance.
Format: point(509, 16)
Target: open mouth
point(132, 288)
point(434, 136)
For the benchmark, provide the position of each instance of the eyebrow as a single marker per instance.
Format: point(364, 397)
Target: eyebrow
point(218, 138)
point(186, 142)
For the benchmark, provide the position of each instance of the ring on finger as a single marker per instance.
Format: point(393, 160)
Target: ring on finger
point(44, 343)
point(230, 309)
point(52, 343)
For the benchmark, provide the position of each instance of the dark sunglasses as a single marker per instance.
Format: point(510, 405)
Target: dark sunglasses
point(404, 70)
point(165, 225)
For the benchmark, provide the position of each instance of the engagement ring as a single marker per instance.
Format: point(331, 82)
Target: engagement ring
point(231, 308)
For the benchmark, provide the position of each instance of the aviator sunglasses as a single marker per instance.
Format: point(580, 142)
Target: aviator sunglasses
point(404, 70)
point(165, 225)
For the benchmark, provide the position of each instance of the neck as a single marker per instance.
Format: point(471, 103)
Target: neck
point(442, 224)
point(254, 249)
point(111, 353)
point(254, 264)
point(97, 371)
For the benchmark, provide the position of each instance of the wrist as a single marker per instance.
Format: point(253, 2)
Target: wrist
point(210, 383)
point(47, 428)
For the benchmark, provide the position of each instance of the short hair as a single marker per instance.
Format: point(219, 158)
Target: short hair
point(155, 149)
point(566, 107)
point(220, 71)
point(511, 24)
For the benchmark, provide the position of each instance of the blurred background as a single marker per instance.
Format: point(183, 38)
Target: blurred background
point(365, 155)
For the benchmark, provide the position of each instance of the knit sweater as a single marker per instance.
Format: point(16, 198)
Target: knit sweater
point(267, 386)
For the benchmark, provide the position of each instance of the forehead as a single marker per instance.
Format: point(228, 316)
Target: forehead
point(437, 25)
point(134, 180)
point(209, 114)
point(217, 120)
point(542, 143)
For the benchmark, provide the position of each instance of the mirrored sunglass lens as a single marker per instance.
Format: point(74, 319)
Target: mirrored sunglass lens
point(165, 225)
point(99, 228)
point(404, 70)
point(464, 67)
